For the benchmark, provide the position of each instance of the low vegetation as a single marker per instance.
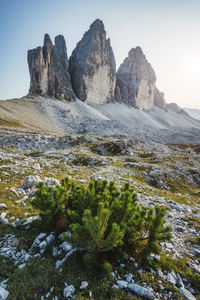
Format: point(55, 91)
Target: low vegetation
point(100, 219)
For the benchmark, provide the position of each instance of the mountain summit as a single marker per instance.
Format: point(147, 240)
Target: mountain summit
point(136, 80)
point(90, 74)
point(48, 68)
point(92, 66)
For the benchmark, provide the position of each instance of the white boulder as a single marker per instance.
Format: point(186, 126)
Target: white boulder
point(43, 245)
point(65, 246)
point(51, 182)
point(30, 182)
point(139, 290)
point(122, 284)
point(3, 293)
point(50, 238)
point(186, 294)
point(68, 291)
point(83, 285)
point(41, 236)
point(3, 206)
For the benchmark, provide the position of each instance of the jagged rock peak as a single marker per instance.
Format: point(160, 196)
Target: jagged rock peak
point(97, 24)
point(48, 68)
point(136, 80)
point(136, 51)
point(145, 69)
point(47, 40)
point(92, 66)
point(61, 49)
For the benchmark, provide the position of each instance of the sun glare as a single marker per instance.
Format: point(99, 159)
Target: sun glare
point(191, 67)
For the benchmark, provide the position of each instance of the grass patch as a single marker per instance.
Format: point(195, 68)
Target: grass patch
point(34, 154)
point(6, 162)
point(35, 279)
point(194, 240)
point(39, 275)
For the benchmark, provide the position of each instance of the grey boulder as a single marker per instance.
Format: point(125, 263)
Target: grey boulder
point(68, 291)
point(3, 206)
point(122, 284)
point(83, 285)
point(186, 294)
point(30, 182)
point(51, 182)
point(139, 290)
point(3, 293)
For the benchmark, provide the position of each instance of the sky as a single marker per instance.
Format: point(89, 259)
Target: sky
point(168, 31)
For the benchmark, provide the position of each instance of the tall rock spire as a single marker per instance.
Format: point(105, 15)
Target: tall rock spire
point(136, 80)
point(92, 66)
point(48, 68)
point(61, 50)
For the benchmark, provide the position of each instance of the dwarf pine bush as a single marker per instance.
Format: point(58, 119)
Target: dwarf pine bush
point(101, 218)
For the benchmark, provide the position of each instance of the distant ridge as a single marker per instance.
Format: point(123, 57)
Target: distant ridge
point(193, 112)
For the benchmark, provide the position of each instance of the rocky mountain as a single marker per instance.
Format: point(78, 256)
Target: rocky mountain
point(136, 80)
point(159, 99)
point(90, 75)
point(92, 66)
point(48, 68)
point(136, 83)
point(155, 149)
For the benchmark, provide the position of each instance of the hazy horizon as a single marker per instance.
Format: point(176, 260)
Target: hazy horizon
point(167, 32)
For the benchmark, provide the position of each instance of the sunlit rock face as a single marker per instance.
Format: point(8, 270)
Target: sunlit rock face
point(92, 66)
point(48, 68)
point(135, 83)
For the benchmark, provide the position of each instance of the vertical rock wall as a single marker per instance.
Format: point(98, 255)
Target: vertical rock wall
point(48, 68)
point(136, 80)
point(92, 66)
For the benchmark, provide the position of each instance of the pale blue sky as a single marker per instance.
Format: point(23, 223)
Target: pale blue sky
point(168, 32)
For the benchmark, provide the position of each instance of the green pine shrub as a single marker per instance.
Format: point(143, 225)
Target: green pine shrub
point(51, 203)
point(101, 219)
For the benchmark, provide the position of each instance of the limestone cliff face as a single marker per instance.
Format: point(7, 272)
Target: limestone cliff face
point(48, 68)
point(90, 73)
point(92, 66)
point(135, 83)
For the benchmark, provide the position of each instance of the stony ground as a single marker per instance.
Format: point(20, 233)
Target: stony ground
point(37, 264)
point(52, 116)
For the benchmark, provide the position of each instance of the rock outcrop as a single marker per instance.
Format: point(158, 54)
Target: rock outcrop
point(92, 66)
point(176, 108)
point(90, 73)
point(159, 99)
point(48, 68)
point(135, 83)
